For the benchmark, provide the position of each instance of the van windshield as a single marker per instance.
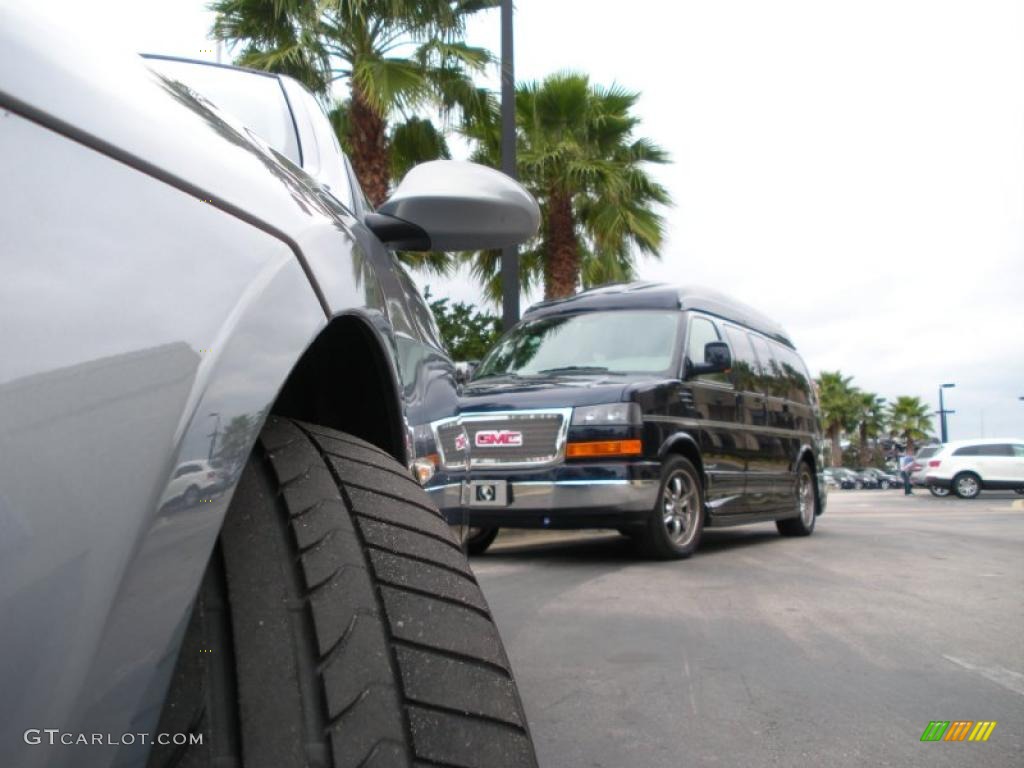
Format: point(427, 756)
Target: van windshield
point(591, 342)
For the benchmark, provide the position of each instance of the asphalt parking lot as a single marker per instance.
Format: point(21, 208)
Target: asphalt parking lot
point(834, 650)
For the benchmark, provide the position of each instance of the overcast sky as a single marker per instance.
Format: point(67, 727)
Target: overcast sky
point(855, 170)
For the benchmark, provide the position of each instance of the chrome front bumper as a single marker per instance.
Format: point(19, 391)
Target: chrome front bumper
point(553, 503)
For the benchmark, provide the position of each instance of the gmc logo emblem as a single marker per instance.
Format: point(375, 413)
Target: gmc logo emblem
point(497, 438)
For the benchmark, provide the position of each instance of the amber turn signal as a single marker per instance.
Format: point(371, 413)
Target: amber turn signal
point(603, 448)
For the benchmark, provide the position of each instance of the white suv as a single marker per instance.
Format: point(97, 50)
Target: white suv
point(968, 466)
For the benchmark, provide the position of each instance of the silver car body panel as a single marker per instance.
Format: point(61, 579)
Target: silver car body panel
point(162, 273)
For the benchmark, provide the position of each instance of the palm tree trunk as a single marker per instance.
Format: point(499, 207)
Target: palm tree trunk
point(837, 448)
point(562, 266)
point(371, 156)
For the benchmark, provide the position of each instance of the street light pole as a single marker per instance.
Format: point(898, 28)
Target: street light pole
point(943, 412)
point(213, 435)
point(510, 253)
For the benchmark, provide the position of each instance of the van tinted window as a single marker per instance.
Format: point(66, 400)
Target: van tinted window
point(770, 378)
point(702, 331)
point(744, 363)
point(794, 373)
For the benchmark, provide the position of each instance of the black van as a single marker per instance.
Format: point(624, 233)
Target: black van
point(648, 408)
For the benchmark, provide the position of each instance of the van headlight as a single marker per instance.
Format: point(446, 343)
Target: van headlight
point(612, 414)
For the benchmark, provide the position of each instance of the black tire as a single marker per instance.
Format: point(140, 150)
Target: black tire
point(339, 625)
point(967, 485)
point(806, 500)
point(940, 493)
point(1019, 491)
point(654, 538)
point(480, 539)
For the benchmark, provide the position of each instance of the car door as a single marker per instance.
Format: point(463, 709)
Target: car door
point(711, 401)
point(995, 463)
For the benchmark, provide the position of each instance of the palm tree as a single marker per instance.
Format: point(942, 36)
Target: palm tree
point(578, 156)
point(870, 417)
point(838, 402)
point(909, 419)
point(396, 56)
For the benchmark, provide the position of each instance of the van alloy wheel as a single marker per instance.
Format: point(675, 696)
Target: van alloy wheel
point(673, 527)
point(680, 508)
point(806, 505)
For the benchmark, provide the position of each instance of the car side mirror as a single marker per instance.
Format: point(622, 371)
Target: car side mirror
point(717, 359)
point(450, 205)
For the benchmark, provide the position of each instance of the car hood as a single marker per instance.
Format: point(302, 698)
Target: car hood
point(504, 393)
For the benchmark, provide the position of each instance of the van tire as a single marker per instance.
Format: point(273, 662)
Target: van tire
point(806, 488)
point(477, 543)
point(654, 539)
point(339, 625)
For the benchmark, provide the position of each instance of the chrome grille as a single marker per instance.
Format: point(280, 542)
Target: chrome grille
point(542, 438)
point(447, 436)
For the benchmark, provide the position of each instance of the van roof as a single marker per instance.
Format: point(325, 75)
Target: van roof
point(662, 296)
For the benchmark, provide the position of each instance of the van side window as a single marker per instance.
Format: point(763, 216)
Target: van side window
point(771, 380)
point(702, 331)
point(744, 363)
point(968, 450)
point(794, 373)
point(1018, 450)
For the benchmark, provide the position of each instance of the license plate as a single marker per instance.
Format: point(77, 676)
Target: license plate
point(485, 493)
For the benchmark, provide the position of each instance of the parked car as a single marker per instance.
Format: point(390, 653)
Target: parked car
point(647, 408)
point(831, 478)
point(882, 479)
point(919, 469)
point(191, 481)
point(967, 467)
point(847, 479)
point(168, 276)
point(866, 479)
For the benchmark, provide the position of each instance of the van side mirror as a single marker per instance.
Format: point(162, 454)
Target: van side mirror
point(449, 205)
point(717, 359)
point(464, 371)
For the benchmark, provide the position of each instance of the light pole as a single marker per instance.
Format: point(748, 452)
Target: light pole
point(510, 253)
point(943, 412)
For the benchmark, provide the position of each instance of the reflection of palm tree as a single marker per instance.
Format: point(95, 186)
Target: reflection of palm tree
point(235, 442)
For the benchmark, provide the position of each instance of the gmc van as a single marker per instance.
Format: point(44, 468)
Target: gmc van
point(646, 408)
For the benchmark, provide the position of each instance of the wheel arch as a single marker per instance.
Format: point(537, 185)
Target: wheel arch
point(347, 380)
point(684, 444)
point(806, 453)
